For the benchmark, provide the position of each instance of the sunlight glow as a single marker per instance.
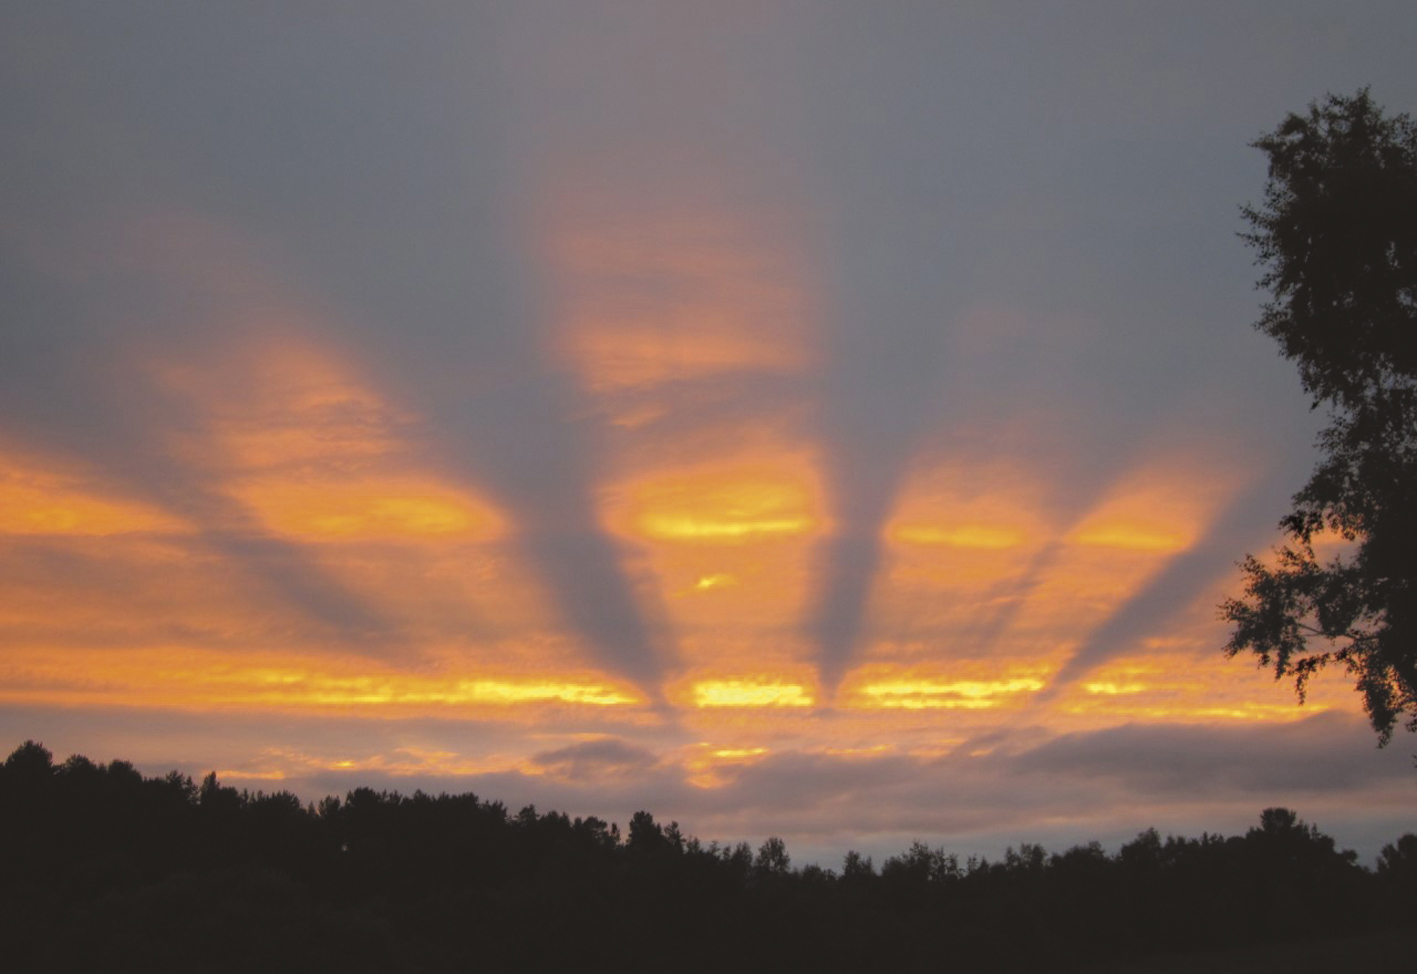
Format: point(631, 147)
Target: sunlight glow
point(1162, 506)
point(1113, 689)
point(736, 525)
point(963, 536)
point(372, 508)
point(929, 694)
point(711, 766)
point(502, 692)
point(724, 506)
point(1152, 687)
point(186, 679)
point(723, 544)
point(738, 753)
point(309, 447)
point(750, 693)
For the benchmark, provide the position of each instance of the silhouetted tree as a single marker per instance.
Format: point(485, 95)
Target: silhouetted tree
point(921, 864)
point(738, 860)
point(1337, 236)
point(29, 764)
point(857, 868)
point(645, 834)
point(1400, 858)
point(772, 858)
point(103, 869)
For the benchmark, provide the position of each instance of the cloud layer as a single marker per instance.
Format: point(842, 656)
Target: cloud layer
point(786, 419)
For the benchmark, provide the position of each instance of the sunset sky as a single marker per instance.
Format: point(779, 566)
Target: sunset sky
point(830, 420)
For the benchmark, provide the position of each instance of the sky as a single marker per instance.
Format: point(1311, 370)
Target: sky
point(837, 421)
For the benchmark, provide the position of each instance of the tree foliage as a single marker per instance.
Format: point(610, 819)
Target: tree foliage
point(102, 869)
point(1337, 238)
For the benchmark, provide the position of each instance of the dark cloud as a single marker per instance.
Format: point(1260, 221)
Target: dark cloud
point(1324, 754)
point(595, 761)
point(995, 789)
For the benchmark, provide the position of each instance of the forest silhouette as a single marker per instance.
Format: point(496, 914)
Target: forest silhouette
point(104, 869)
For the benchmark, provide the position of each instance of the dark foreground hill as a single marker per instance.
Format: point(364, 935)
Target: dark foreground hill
point(102, 869)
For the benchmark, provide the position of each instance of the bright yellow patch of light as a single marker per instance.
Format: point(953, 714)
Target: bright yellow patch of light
point(750, 693)
point(372, 508)
point(962, 502)
point(964, 536)
point(1162, 505)
point(959, 694)
point(332, 691)
point(691, 528)
point(195, 679)
point(724, 541)
point(934, 703)
point(1190, 710)
point(771, 495)
point(493, 691)
point(1181, 687)
point(1114, 689)
point(711, 766)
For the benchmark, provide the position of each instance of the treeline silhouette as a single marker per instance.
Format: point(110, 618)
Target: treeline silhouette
point(103, 869)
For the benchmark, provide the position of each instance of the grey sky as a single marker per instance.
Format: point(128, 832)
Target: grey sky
point(1010, 229)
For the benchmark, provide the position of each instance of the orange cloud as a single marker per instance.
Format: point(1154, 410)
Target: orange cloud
point(37, 498)
point(961, 533)
point(184, 678)
point(281, 763)
point(311, 451)
point(940, 686)
point(711, 766)
point(750, 692)
point(315, 453)
point(647, 299)
point(723, 544)
point(386, 508)
point(966, 503)
point(1191, 687)
point(1163, 506)
point(1157, 511)
point(734, 503)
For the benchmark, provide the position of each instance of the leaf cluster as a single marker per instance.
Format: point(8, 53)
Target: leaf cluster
point(1337, 237)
